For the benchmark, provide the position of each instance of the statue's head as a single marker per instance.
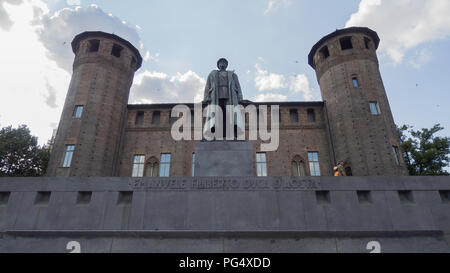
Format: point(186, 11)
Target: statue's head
point(222, 64)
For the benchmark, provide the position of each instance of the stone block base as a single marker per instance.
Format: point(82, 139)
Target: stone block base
point(224, 158)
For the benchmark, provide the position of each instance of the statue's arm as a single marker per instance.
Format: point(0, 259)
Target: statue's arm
point(206, 95)
point(237, 87)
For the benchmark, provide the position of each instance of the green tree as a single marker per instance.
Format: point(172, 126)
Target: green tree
point(20, 154)
point(425, 153)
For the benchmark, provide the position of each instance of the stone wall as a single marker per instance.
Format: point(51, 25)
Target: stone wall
point(272, 214)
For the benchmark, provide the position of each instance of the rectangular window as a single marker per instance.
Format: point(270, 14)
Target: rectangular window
point(261, 164)
point(116, 50)
point(355, 82)
point(78, 111)
point(367, 42)
point(164, 167)
point(68, 156)
point(374, 108)
point(156, 117)
point(314, 167)
point(139, 118)
point(325, 52)
point(138, 166)
point(311, 115)
point(395, 151)
point(94, 45)
point(294, 115)
point(193, 164)
point(346, 43)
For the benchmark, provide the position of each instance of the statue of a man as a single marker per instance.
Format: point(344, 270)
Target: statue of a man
point(222, 89)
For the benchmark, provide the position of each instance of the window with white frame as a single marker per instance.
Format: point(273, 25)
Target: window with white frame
point(261, 164)
point(164, 166)
point(193, 164)
point(374, 108)
point(78, 111)
point(396, 153)
point(68, 155)
point(138, 166)
point(314, 166)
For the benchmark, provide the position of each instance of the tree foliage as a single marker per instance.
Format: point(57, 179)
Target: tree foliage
point(423, 151)
point(20, 155)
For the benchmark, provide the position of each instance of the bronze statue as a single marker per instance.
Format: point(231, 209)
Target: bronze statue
point(222, 89)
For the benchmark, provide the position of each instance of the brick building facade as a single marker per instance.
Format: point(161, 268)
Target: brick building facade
point(100, 134)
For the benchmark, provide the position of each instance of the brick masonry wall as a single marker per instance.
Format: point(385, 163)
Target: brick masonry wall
point(296, 138)
point(101, 83)
point(362, 139)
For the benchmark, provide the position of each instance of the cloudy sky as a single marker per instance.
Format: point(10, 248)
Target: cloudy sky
point(265, 41)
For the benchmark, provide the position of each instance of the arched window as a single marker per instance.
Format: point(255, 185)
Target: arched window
point(348, 171)
point(355, 81)
point(298, 166)
point(152, 167)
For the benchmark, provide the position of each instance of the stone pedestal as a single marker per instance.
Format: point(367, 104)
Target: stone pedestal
point(224, 158)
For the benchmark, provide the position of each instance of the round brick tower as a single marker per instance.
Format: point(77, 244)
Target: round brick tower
point(362, 129)
point(90, 131)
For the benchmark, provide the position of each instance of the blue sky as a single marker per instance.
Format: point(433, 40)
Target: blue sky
point(265, 41)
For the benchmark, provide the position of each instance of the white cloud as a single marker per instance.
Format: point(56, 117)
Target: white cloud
point(273, 5)
point(148, 56)
point(269, 97)
point(59, 29)
point(36, 60)
point(5, 21)
point(300, 84)
point(33, 87)
point(420, 58)
point(404, 24)
point(73, 2)
point(157, 87)
point(50, 97)
point(268, 81)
